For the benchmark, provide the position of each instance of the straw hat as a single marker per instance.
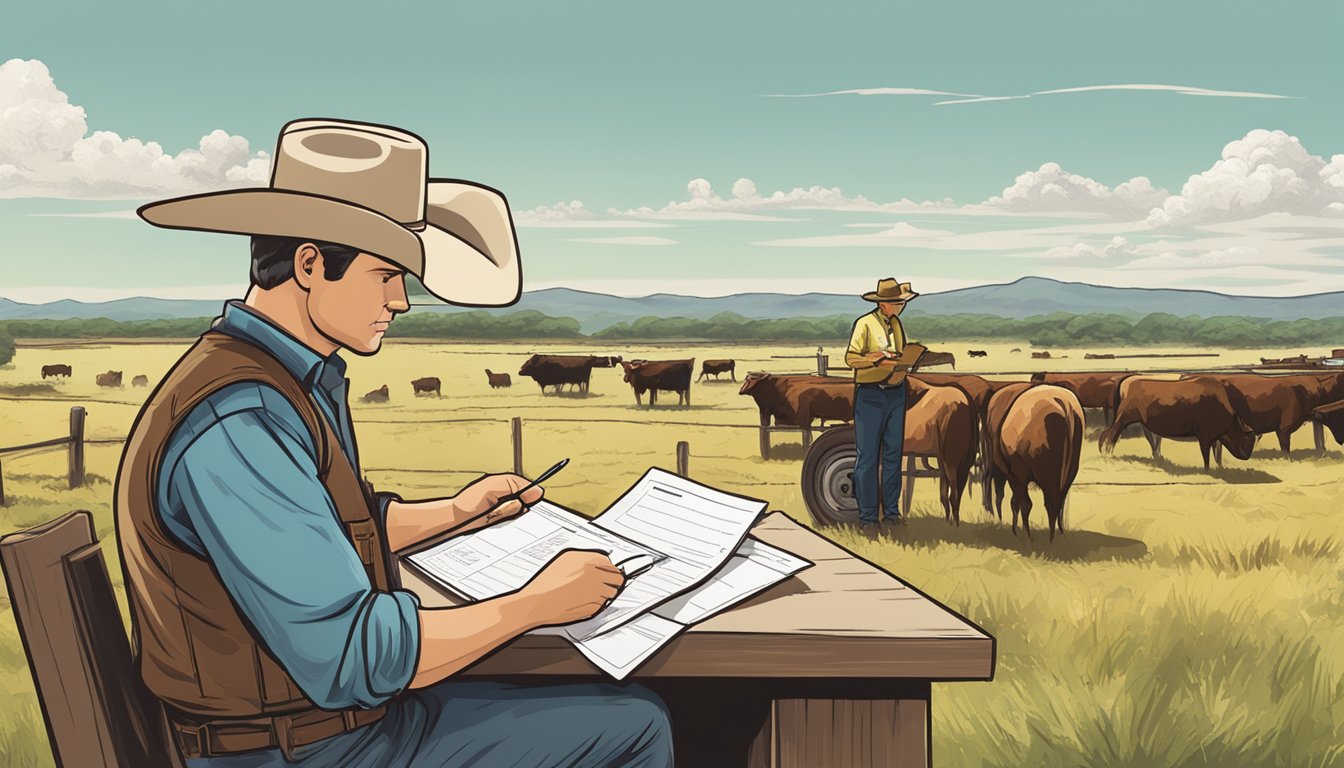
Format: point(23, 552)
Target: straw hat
point(366, 186)
point(890, 290)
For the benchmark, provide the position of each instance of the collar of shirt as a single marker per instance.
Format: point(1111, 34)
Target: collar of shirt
point(300, 360)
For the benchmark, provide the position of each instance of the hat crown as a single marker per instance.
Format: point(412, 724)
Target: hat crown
point(380, 168)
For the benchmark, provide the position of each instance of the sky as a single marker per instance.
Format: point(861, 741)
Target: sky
point(706, 148)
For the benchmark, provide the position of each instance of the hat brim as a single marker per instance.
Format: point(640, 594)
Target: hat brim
point(873, 296)
point(465, 254)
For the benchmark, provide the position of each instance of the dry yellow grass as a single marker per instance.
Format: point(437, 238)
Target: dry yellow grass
point(1184, 619)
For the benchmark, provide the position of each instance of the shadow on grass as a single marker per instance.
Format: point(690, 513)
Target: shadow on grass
point(1071, 546)
point(1234, 475)
point(25, 390)
point(787, 452)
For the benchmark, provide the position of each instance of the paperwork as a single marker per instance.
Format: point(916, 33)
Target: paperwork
point(682, 545)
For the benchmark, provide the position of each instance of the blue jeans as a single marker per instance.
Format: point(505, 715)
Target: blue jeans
point(486, 723)
point(879, 431)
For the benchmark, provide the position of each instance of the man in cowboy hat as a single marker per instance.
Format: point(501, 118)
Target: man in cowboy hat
point(267, 613)
point(880, 357)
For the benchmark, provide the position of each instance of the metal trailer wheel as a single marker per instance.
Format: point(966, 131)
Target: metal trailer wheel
point(828, 477)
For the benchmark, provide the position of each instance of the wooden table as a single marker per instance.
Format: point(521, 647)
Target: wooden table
point(831, 667)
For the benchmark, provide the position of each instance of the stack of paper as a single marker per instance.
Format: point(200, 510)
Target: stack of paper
point(682, 545)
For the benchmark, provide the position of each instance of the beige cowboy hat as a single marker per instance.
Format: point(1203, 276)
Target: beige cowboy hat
point(890, 290)
point(366, 186)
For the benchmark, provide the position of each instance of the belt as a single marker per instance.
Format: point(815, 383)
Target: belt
point(880, 385)
point(223, 737)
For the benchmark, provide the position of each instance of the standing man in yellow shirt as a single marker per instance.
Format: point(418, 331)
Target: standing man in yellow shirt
point(881, 358)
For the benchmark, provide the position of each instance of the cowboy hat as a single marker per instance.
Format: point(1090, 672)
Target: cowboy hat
point(366, 186)
point(889, 290)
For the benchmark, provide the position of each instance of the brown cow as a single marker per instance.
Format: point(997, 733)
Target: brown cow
point(1332, 417)
point(715, 367)
point(140, 381)
point(1277, 404)
point(378, 395)
point(1035, 435)
point(936, 358)
point(559, 370)
point(498, 379)
point(796, 400)
point(109, 379)
point(1040, 355)
point(942, 421)
point(1094, 390)
point(1197, 407)
point(606, 361)
point(976, 353)
point(1093, 356)
point(59, 369)
point(426, 385)
point(653, 375)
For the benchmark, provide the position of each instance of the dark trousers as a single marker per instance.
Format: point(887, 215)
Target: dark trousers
point(879, 432)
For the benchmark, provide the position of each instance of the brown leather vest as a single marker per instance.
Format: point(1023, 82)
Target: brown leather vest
point(194, 649)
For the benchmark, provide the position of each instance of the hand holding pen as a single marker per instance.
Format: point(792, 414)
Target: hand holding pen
point(501, 507)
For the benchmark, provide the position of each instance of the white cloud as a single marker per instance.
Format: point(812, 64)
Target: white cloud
point(1232, 257)
point(746, 203)
point(1117, 249)
point(1184, 90)
point(573, 215)
point(46, 150)
point(971, 98)
point(626, 240)
point(902, 234)
point(1050, 189)
point(872, 92)
point(1265, 172)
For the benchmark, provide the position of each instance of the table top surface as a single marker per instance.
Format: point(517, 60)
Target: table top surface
point(843, 617)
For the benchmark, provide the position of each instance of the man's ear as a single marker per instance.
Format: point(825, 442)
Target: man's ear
point(307, 260)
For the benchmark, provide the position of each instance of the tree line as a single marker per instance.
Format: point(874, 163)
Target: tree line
point(1053, 330)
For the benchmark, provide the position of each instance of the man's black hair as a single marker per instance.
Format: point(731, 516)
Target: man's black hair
point(273, 259)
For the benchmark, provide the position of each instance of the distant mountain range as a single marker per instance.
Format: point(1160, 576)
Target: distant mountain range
point(595, 311)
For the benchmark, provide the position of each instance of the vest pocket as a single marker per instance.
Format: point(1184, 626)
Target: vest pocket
point(362, 535)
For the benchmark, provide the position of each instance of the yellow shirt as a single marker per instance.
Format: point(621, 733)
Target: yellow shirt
point(872, 333)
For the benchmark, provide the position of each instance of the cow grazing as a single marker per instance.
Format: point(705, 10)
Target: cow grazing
point(1035, 436)
point(799, 399)
point(559, 370)
point(427, 385)
point(109, 379)
point(1101, 356)
point(1196, 407)
point(1040, 355)
point(976, 353)
point(929, 359)
point(653, 375)
point(1332, 418)
point(59, 369)
point(716, 367)
point(140, 381)
point(606, 361)
point(942, 421)
point(378, 395)
point(498, 380)
point(1094, 390)
point(1275, 404)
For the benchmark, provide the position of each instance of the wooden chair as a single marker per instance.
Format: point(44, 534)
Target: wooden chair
point(97, 710)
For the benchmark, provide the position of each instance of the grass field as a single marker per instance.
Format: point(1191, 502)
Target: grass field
point(1185, 619)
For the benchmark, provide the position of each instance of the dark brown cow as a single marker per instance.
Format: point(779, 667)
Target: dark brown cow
point(109, 379)
point(498, 380)
point(559, 370)
point(716, 367)
point(796, 400)
point(979, 389)
point(1094, 390)
point(379, 395)
point(1198, 407)
point(929, 359)
point(1331, 416)
point(1035, 436)
point(59, 369)
point(1277, 404)
point(140, 381)
point(976, 353)
point(1040, 355)
point(426, 385)
point(1102, 356)
point(653, 375)
point(942, 421)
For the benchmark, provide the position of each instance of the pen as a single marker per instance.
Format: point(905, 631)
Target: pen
point(517, 495)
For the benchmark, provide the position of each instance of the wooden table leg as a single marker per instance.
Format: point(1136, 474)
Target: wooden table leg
point(812, 733)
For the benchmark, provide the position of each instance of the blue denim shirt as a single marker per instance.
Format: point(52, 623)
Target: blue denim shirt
point(239, 486)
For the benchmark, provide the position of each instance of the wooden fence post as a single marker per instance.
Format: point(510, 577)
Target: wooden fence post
point(76, 446)
point(823, 361)
point(1318, 432)
point(908, 487)
point(517, 445)
point(765, 442)
point(2, 486)
point(683, 458)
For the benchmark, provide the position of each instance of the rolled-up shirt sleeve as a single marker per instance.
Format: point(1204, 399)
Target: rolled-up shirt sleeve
point(258, 508)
